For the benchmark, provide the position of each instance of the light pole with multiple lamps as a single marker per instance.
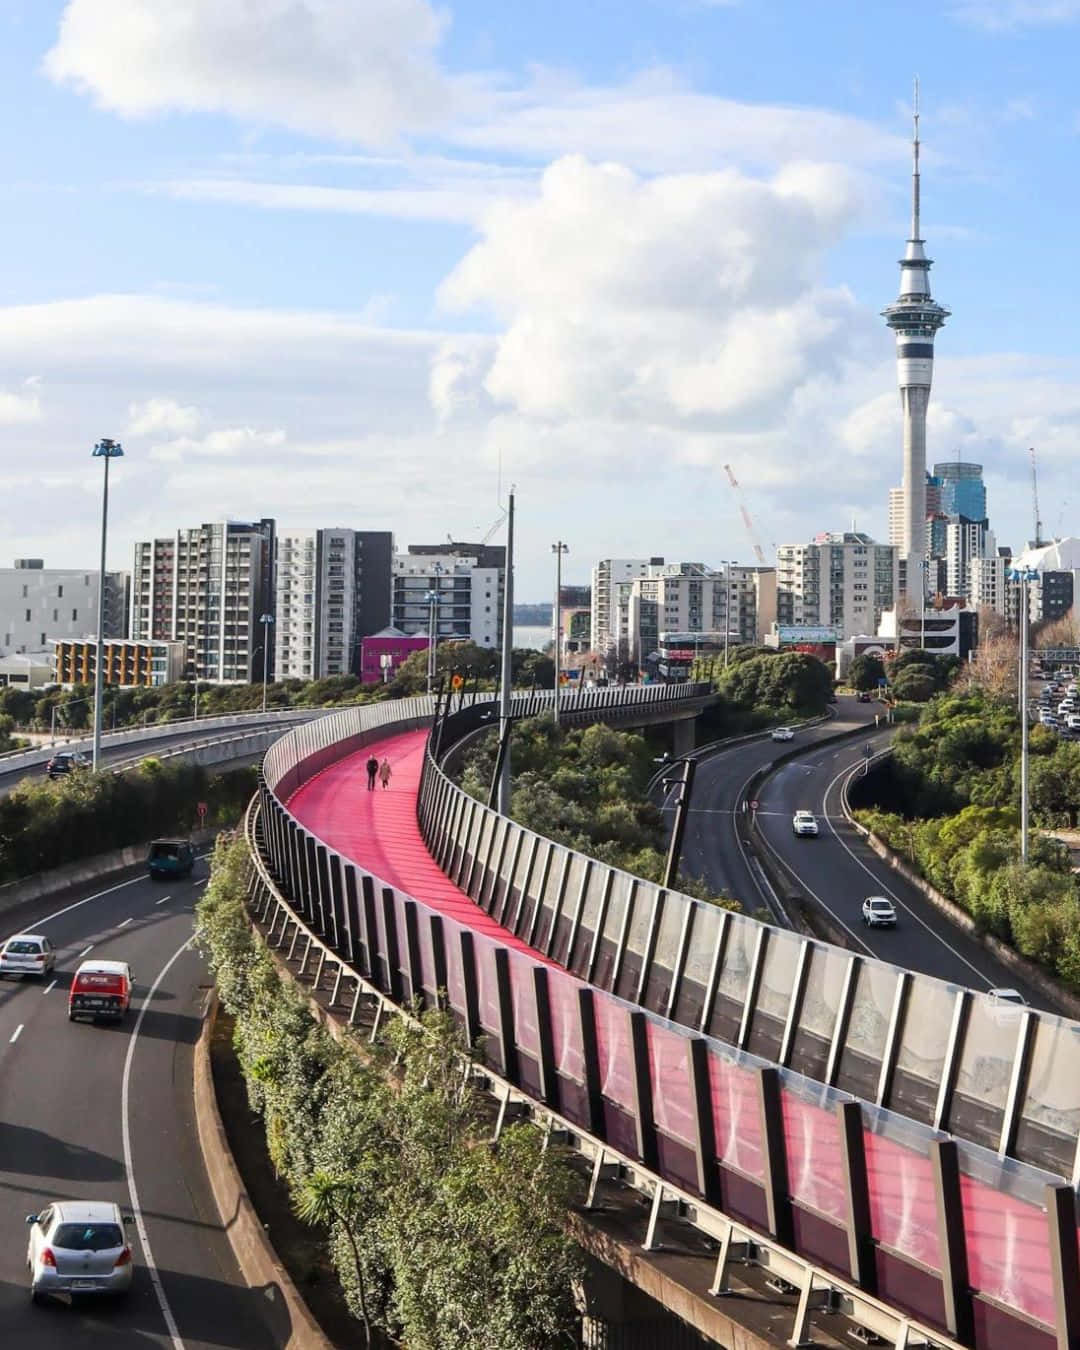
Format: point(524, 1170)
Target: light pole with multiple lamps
point(558, 549)
point(107, 450)
point(267, 621)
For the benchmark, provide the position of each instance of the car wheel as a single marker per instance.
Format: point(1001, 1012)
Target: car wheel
point(36, 1297)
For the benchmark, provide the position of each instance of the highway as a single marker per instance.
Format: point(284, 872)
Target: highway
point(105, 1112)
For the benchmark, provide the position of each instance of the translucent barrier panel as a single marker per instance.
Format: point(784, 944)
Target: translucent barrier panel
point(615, 1052)
point(774, 994)
point(487, 988)
point(566, 1025)
point(734, 979)
point(662, 969)
point(817, 1015)
point(480, 853)
point(736, 1115)
point(814, 1159)
point(590, 918)
point(520, 875)
point(1005, 1227)
point(609, 939)
point(704, 935)
point(867, 1031)
point(672, 1092)
point(636, 938)
point(984, 1071)
point(523, 998)
point(922, 1048)
point(402, 936)
point(427, 950)
point(455, 979)
point(542, 930)
point(560, 949)
point(1050, 1118)
point(903, 1205)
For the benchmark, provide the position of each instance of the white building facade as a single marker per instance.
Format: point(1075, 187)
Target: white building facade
point(39, 604)
point(845, 581)
point(467, 582)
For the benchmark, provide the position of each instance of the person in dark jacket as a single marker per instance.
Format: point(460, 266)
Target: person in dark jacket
point(372, 767)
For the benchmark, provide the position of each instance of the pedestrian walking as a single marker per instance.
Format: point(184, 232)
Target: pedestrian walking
point(372, 769)
point(384, 773)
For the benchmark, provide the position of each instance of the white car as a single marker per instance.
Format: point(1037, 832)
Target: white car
point(78, 1247)
point(783, 734)
point(1007, 1000)
point(804, 824)
point(27, 954)
point(877, 912)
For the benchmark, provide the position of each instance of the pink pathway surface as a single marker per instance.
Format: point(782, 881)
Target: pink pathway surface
point(1008, 1250)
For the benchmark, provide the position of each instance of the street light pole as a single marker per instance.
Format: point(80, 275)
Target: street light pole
point(432, 598)
point(727, 608)
point(1024, 576)
point(558, 549)
point(266, 621)
point(105, 449)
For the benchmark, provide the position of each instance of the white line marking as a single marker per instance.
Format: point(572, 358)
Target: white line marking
point(16, 1033)
point(126, 922)
point(125, 1127)
point(888, 889)
point(56, 914)
point(48, 987)
point(163, 899)
point(85, 952)
point(201, 882)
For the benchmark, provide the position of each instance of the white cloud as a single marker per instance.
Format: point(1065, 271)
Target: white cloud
point(358, 72)
point(162, 416)
point(225, 442)
point(1001, 15)
point(18, 408)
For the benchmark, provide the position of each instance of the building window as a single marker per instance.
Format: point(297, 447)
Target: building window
point(59, 592)
point(25, 592)
point(74, 616)
point(27, 616)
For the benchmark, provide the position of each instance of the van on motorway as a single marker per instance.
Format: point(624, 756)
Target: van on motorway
point(170, 858)
point(100, 989)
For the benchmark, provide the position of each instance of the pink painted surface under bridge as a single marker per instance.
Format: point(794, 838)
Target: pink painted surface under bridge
point(1008, 1241)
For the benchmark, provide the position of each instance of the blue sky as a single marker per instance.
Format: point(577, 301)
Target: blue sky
point(363, 263)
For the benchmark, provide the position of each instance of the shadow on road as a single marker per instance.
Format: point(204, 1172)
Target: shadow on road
point(37, 1154)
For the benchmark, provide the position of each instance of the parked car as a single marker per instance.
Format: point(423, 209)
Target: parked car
point(100, 989)
point(170, 858)
point(783, 734)
point(27, 954)
point(877, 912)
point(804, 824)
point(78, 1247)
point(65, 762)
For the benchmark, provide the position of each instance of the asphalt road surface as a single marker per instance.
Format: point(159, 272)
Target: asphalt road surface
point(104, 1111)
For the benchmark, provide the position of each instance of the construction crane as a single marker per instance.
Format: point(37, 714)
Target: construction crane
point(1037, 541)
point(748, 521)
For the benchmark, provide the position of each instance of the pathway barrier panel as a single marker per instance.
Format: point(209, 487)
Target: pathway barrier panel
point(671, 1038)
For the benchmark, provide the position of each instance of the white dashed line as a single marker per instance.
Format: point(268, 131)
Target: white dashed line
point(163, 899)
point(126, 922)
point(56, 914)
point(85, 952)
point(16, 1033)
point(48, 987)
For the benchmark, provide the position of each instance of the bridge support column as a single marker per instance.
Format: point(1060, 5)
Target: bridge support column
point(685, 736)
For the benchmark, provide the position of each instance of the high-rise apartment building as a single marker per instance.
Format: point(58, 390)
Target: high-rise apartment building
point(988, 583)
point(332, 588)
point(607, 576)
point(688, 598)
point(896, 512)
point(208, 587)
point(456, 586)
point(965, 540)
point(841, 580)
point(39, 604)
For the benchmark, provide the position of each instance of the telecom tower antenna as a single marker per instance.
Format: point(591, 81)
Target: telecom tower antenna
point(1038, 540)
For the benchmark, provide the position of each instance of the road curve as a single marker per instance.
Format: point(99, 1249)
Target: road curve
point(62, 1131)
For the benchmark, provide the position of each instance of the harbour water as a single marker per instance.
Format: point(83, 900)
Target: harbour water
point(533, 637)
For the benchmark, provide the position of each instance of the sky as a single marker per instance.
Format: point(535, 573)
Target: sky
point(370, 262)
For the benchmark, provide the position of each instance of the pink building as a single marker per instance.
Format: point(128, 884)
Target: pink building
point(383, 652)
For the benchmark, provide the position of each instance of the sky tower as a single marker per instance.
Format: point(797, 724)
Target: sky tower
point(915, 318)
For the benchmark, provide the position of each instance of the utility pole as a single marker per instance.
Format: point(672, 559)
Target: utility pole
point(507, 674)
point(106, 450)
point(1024, 576)
point(558, 549)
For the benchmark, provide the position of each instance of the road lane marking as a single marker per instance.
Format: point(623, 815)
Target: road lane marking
point(125, 1129)
point(201, 882)
point(85, 952)
point(16, 1033)
point(126, 922)
point(48, 987)
point(888, 889)
point(58, 913)
point(163, 899)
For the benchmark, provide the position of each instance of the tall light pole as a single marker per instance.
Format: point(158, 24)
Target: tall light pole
point(266, 621)
point(558, 549)
point(726, 564)
point(105, 449)
point(1023, 575)
point(507, 669)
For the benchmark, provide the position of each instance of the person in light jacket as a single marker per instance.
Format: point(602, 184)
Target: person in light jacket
point(385, 772)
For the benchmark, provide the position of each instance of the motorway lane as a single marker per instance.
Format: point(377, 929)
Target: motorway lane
point(61, 1129)
point(839, 869)
point(711, 850)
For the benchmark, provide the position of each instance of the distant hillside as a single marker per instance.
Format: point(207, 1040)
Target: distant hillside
point(532, 615)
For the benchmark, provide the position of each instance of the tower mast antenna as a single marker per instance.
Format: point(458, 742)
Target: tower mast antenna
point(915, 204)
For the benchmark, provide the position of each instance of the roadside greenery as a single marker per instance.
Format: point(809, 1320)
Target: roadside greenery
point(585, 788)
point(762, 687)
point(949, 801)
point(46, 824)
point(441, 1240)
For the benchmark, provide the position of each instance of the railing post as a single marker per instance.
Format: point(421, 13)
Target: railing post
point(644, 1122)
point(355, 947)
point(438, 959)
point(371, 931)
point(708, 1175)
point(412, 953)
point(959, 1313)
point(473, 1029)
point(774, 1157)
point(1064, 1265)
point(393, 955)
point(591, 1058)
point(549, 1087)
point(861, 1251)
point(507, 1041)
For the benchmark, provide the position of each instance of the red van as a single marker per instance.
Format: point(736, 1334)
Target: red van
point(100, 989)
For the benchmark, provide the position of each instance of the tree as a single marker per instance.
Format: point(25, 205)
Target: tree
point(331, 1201)
point(866, 671)
point(915, 684)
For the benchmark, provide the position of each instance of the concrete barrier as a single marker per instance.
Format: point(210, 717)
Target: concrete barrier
point(256, 1258)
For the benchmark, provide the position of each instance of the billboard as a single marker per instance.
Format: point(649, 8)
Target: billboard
point(790, 634)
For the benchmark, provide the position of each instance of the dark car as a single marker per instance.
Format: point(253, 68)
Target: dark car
point(65, 762)
point(170, 858)
point(864, 697)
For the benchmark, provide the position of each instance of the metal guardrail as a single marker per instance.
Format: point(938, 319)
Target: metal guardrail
point(366, 962)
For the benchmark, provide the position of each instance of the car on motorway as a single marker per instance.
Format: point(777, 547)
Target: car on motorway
point(27, 954)
point(78, 1247)
point(783, 734)
point(877, 912)
point(65, 762)
point(865, 696)
point(100, 989)
point(170, 858)
point(1006, 999)
point(804, 824)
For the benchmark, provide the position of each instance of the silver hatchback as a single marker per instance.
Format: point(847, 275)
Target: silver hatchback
point(78, 1247)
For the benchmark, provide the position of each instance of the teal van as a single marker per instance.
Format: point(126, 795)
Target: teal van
point(170, 858)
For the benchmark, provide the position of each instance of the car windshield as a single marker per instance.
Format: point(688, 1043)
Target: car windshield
point(87, 1237)
point(880, 904)
point(22, 948)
